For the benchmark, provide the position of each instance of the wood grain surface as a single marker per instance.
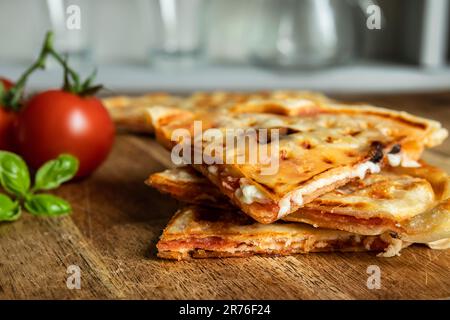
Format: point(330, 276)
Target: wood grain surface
point(117, 220)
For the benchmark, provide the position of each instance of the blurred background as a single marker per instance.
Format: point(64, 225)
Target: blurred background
point(185, 45)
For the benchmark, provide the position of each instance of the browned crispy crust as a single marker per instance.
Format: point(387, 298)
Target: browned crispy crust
point(366, 226)
point(129, 112)
point(196, 232)
point(333, 212)
point(194, 191)
point(377, 246)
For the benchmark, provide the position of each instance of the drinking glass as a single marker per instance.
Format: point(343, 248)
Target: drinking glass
point(69, 23)
point(304, 33)
point(178, 32)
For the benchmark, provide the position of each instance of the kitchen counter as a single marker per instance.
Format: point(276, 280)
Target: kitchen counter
point(358, 77)
point(117, 220)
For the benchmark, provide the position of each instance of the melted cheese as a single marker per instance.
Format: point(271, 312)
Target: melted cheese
point(213, 169)
point(297, 196)
point(394, 159)
point(409, 163)
point(402, 159)
point(394, 248)
point(249, 194)
point(180, 175)
point(285, 206)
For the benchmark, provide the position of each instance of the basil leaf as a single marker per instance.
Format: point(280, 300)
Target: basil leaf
point(9, 210)
point(47, 205)
point(14, 175)
point(55, 172)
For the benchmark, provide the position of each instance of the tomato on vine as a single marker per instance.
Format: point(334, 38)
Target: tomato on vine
point(68, 120)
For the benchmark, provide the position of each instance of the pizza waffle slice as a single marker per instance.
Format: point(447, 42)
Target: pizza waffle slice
point(199, 232)
point(410, 202)
point(129, 112)
point(322, 146)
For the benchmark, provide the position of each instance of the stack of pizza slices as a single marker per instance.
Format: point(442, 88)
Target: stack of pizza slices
point(313, 175)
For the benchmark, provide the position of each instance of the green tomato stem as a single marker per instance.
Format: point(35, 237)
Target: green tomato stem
point(11, 98)
point(76, 88)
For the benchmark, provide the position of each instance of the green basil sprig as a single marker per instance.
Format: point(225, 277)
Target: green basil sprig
point(14, 175)
point(55, 172)
point(47, 204)
point(15, 180)
point(9, 210)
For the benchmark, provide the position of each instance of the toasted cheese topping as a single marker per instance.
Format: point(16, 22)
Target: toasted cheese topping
point(181, 175)
point(394, 159)
point(409, 163)
point(249, 194)
point(394, 248)
point(362, 169)
point(213, 169)
point(401, 159)
point(297, 196)
point(285, 206)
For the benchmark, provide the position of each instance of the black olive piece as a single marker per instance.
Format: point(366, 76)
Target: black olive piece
point(395, 149)
point(377, 152)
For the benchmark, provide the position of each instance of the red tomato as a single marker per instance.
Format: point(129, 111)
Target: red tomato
point(7, 122)
point(55, 122)
point(7, 84)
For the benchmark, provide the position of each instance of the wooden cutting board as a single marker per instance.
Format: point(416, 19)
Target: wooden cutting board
point(117, 220)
